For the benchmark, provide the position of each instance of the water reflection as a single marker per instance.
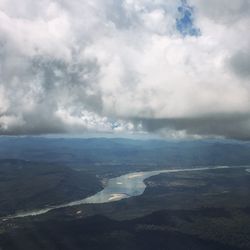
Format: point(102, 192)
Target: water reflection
point(119, 188)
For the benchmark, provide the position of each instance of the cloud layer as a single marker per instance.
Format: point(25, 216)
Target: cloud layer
point(172, 67)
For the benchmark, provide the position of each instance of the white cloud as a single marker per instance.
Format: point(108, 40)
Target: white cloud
point(87, 65)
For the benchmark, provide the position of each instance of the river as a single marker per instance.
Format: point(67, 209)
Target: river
point(118, 188)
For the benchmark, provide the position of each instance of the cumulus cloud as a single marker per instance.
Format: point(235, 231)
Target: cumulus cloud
point(178, 68)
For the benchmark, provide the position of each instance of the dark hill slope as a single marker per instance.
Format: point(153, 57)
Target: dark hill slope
point(29, 185)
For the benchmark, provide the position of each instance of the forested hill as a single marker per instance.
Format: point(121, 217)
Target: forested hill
point(103, 151)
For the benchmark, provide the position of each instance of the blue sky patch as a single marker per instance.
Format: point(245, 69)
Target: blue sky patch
point(185, 20)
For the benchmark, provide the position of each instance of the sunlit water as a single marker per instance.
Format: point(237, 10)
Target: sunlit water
point(118, 188)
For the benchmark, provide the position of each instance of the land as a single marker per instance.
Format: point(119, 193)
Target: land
point(114, 155)
point(160, 230)
point(203, 210)
point(26, 185)
point(185, 210)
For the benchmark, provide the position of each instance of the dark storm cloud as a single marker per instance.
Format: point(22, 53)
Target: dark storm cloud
point(233, 126)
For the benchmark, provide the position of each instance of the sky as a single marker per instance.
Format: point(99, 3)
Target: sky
point(174, 68)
